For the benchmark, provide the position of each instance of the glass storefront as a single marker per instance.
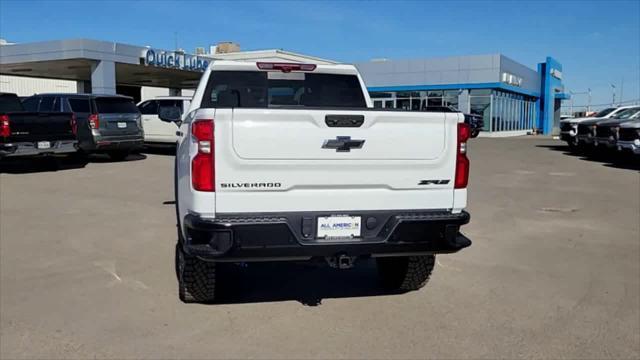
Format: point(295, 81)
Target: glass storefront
point(501, 110)
point(512, 112)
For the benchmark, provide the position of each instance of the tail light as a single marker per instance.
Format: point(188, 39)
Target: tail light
point(5, 126)
point(202, 166)
point(462, 162)
point(74, 124)
point(94, 121)
point(286, 67)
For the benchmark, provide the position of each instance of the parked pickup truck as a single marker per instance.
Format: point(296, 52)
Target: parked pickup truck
point(34, 133)
point(569, 126)
point(587, 129)
point(282, 161)
point(106, 123)
point(629, 137)
point(608, 131)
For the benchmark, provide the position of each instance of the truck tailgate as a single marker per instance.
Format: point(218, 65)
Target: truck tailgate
point(292, 160)
point(33, 126)
point(301, 134)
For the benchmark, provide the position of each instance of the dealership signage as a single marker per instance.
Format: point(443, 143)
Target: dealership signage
point(556, 73)
point(511, 79)
point(175, 60)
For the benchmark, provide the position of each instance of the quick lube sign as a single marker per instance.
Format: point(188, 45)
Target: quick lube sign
point(175, 60)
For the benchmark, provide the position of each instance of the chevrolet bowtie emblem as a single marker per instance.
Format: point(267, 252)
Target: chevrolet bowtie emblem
point(343, 144)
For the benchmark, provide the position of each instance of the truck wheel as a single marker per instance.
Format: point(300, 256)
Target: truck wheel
point(196, 278)
point(118, 155)
point(405, 273)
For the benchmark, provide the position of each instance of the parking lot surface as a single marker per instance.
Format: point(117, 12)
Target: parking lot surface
point(86, 270)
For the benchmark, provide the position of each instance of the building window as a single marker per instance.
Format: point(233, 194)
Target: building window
point(450, 99)
point(512, 112)
point(480, 92)
point(481, 105)
point(377, 95)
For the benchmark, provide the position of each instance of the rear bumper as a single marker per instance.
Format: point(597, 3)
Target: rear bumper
point(119, 142)
point(633, 146)
point(31, 149)
point(291, 236)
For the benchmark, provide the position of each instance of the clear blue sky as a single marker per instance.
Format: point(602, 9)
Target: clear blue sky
point(598, 42)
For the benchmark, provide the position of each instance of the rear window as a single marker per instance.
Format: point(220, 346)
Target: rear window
point(80, 105)
point(31, 104)
point(10, 103)
point(149, 107)
point(115, 106)
point(47, 104)
point(255, 89)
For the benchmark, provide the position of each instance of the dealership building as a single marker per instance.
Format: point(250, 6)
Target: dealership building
point(512, 98)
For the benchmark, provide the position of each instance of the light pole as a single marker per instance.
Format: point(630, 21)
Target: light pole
point(571, 103)
point(613, 95)
point(581, 93)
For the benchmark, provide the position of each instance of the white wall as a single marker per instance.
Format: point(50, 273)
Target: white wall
point(149, 92)
point(25, 86)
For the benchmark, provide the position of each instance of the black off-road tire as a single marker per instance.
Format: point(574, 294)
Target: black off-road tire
point(405, 273)
point(196, 278)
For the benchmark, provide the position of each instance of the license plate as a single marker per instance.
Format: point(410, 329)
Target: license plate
point(43, 145)
point(122, 125)
point(339, 226)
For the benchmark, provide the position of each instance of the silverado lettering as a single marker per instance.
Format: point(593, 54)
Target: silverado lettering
point(250, 185)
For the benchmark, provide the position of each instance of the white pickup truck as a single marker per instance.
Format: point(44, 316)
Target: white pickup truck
point(284, 161)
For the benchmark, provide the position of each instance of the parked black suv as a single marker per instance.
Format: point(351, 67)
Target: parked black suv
point(106, 123)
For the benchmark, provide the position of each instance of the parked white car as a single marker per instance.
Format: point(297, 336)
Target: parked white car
point(157, 131)
point(287, 161)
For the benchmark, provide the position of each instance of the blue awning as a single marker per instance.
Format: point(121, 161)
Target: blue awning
point(563, 96)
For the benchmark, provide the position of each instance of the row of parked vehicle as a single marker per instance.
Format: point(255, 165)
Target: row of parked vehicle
point(612, 128)
point(83, 124)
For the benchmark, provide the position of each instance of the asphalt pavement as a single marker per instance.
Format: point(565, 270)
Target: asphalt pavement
point(87, 271)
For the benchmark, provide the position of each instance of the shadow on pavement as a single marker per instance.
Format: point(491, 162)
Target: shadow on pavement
point(104, 158)
point(160, 150)
point(27, 165)
point(307, 283)
point(608, 157)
